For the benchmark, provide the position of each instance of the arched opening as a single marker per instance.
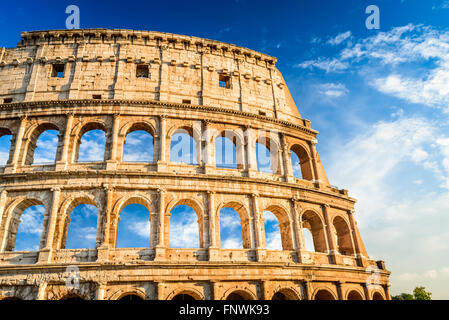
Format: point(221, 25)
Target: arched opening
point(301, 163)
point(183, 147)
point(82, 227)
point(139, 145)
point(278, 234)
point(46, 147)
point(226, 152)
point(184, 297)
point(354, 295)
point(184, 227)
point(92, 144)
point(267, 155)
point(324, 295)
point(30, 228)
point(231, 236)
point(134, 227)
point(272, 231)
point(343, 236)
point(377, 296)
point(239, 295)
point(131, 297)
point(5, 146)
point(43, 144)
point(311, 221)
point(285, 294)
point(308, 240)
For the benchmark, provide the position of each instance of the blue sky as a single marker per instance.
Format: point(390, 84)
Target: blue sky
point(379, 98)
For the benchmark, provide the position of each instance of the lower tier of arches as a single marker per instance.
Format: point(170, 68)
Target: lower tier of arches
point(207, 281)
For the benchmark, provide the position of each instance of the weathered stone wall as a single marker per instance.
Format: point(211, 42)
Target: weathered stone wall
point(104, 62)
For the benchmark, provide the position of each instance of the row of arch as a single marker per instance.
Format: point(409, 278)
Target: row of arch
point(189, 295)
point(224, 148)
point(184, 226)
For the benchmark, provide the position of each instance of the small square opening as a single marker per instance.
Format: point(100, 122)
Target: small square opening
point(142, 71)
point(186, 101)
point(224, 81)
point(58, 70)
point(96, 96)
point(262, 113)
point(7, 100)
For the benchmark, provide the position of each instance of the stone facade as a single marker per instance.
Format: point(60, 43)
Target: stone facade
point(120, 81)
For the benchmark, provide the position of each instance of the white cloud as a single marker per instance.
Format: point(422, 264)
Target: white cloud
point(329, 65)
point(32, 220)
point(140, 228)
point(339, 38)
point(333, 90)
point(185, 233)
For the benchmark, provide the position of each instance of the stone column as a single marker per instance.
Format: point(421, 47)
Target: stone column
point(62, 164)
point(3, 197)
point(308, 289)
point(15, 162)
point(41, 291)
point(162, 160)
point(163, 84)
point(298, 243)
point(366, 291)
point(214, 290)
point(250, 151)
point(258, 237)
point(101, 290)
point(288, 170)
point(213, 249)
point(111, 163)
point(208, 146)
point(46, 253)
point(316, 176)
point(104, 225)
point(339, 285)
point(330, 239)
point(160, 246)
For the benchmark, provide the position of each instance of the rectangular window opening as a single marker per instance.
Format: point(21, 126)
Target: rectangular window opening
point(224, 81)
point(7, 100)
point(96, 96)
point(186, 101)
point(262, 113)
point(58, 70)
point(142, 71)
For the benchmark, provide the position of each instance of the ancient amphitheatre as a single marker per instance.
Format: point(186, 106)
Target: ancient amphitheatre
point(119, 81)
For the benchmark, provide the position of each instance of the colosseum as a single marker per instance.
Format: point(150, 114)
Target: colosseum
point(121, 81)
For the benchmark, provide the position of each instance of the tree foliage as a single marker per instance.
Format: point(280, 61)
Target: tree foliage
point(419, 293)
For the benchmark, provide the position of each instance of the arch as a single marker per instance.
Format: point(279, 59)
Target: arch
point(65, 220)
point(11, 298)
point(33, 134)
point(343, 236)
point(285, 294)
point(185, 294)
point(354, 295)
point(126, 291)
point(184, 230)
point(12, 221)
point(378, 296)
point(304, 162)
point(197, 207)
point(324, 294)
point(240, 295)
point(131, 297)
point(244, 221)
point(238, 145)
point(6, 142)
point(72, 297)
point(90, 126)
point(186, 147)
point(134, 227)
point(140, 129)
point(284, 225)
point(312, 221)
point(271, 148)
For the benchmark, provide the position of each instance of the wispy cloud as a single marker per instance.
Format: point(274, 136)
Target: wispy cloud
point(339, 38)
